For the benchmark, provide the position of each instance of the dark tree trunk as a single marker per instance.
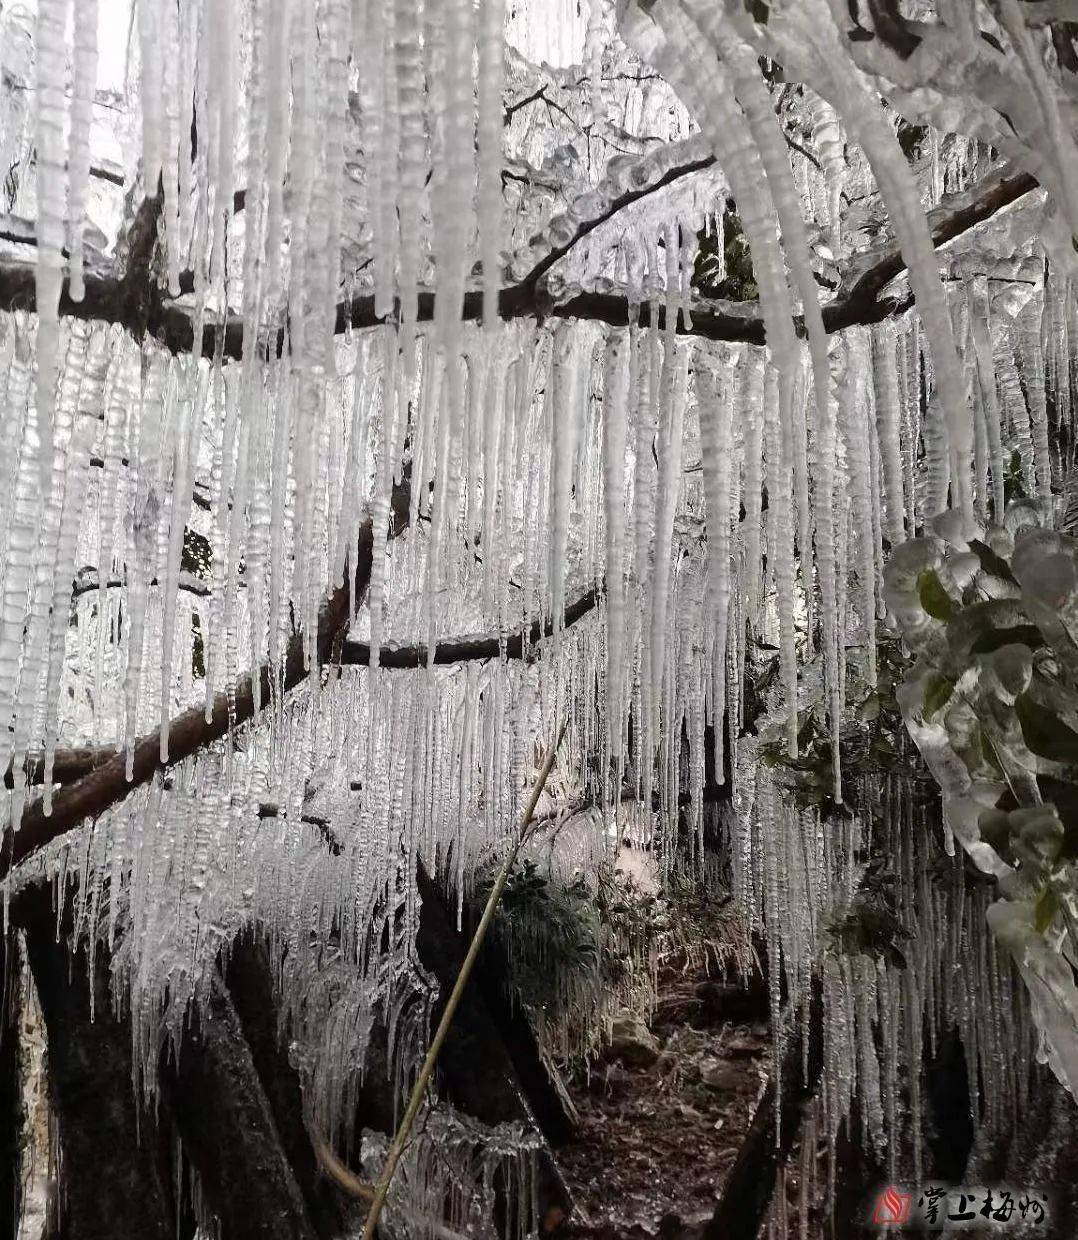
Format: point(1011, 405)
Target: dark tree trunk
point(950, 1128)
point(226, 1123)
point(476, 1071)
point(10, 1102)
point(115, 1166)
point(249, 985)
point(750, 1185)
point(510, 1022)
point(857, 1175)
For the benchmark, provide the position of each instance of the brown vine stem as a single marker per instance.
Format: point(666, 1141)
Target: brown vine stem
point(351, 1184)
point(419, 1089)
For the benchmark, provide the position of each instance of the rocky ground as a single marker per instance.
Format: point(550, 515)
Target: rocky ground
point(663, 1114)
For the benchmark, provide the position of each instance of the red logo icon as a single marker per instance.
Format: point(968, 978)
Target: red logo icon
point(892, 1207)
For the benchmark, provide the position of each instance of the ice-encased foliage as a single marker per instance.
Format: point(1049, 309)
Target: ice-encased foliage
point(990, 702)
point(619, 480)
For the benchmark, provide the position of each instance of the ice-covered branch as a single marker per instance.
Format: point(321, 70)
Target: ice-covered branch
point(859, 299)
point(90, 584)
point(470, 649)
point(73, 764)
point(68, 765)
point(533, 279)
point(192, 731)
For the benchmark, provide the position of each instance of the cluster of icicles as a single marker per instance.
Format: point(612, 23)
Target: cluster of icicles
point(255, 99)
point(885, 1013)
point(543, 464)
point(710, 496)
point(559, 462)
point(310, 836)
point(285, 446)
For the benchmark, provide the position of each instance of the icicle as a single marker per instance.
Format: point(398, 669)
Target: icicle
point(413, 164)
point(337, 36)
point(834, 76)
point(150, 54)
point(29, 707)
point(77, 468)
point(1060, 141)
point(50, 40)
point(78, 158)
point(593, 55)
point(1032, 363)
point(823, 496)
point(278, 25)
point(977, 296)
point(564, 424)
point(222, 92)
point(855, 433)
point(490, 137)
point(716, 451)
point(615, 412)
point(182, 481)
point(1014, 406)
point(383, 485)
point(755, 99)
point(885, 378)
point(753, 421)
point(455, 191)
point(141, 563)
point(828, 140)
point(674, 381)
point(779, 511)
point(683, 62)
point(647, 408)
point(874, 474)
point(278, 522)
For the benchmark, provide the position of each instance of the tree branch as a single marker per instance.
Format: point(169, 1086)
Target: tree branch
point(68, 765)
point(523, 103)
point(859, 300)
point(187, 582)
point(468, 649)
point(72, 765)
point(191, 731)
point(526, 287)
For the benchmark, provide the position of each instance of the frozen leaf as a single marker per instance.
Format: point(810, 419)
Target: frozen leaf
point(1044, 733)
point(934, 598)
point(937, 693)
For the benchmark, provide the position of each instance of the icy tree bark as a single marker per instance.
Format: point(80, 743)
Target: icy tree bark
point(226, 1123)
point(491, 1094)
point(90, 1090)
point(751, 1182)
point(248, 981)
point(10, 1100)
